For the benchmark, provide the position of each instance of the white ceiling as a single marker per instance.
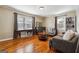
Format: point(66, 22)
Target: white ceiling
point(47, 11)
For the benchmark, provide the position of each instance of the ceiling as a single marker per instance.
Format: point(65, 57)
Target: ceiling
point(48, 10)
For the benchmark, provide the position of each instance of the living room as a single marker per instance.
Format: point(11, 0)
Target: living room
point(42, 32)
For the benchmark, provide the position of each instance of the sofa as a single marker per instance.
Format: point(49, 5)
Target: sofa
point(64, 46)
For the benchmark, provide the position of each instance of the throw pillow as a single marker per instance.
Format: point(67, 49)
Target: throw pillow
point(69, 35)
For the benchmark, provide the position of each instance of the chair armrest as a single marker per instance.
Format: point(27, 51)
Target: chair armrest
point(62, 45)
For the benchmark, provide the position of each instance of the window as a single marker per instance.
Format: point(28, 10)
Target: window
point(24, 22)
point(20, 23)
point(61, 26)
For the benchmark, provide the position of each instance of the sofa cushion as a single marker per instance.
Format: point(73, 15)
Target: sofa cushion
point(68, 35)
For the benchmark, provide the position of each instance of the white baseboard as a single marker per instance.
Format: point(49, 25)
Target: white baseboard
point(6, 39)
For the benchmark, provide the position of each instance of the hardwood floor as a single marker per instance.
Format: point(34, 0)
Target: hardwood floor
point(38, 46)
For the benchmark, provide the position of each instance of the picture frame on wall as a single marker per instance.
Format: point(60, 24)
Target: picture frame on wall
point(71, 23)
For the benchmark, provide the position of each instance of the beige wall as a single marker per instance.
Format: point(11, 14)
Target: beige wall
point(6, 23)
point(71, 13)
point(50, 23)
point(40, 19)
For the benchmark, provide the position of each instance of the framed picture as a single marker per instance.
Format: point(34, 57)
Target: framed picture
point(71, 23)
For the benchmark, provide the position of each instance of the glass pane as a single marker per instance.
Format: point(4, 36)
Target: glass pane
point(28, 26)
point(20, 19)
point(20, 22)
point(28, 23)
point(20, 26)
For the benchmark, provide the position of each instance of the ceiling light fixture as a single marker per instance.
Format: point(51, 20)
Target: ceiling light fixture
point(41, 8)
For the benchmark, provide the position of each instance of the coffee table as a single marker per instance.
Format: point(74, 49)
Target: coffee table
point(43, 36)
